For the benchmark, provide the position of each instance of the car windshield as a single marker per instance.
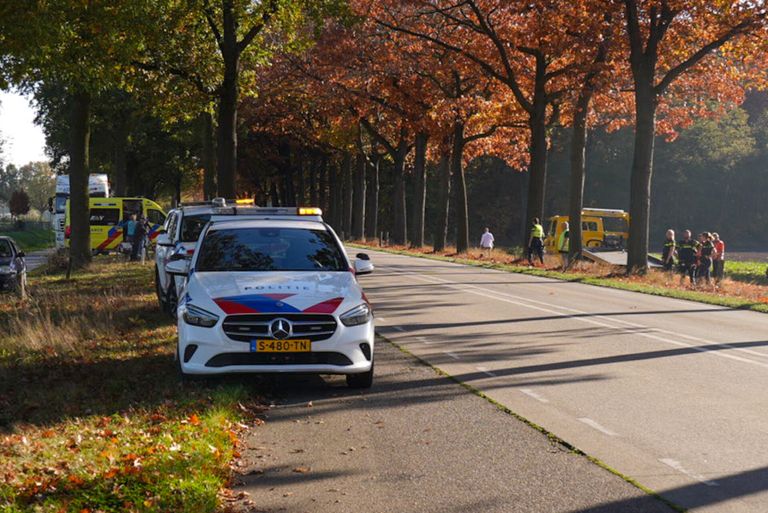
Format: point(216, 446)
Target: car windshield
point(270, 249)
point(192, 226)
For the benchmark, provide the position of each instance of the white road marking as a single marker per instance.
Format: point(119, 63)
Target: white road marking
point(679, 467)
point(593, 424)
point(399, 328)
point(452, 355)
point(424, 340)
point(485, 370)
point(382, 319)
point(524, 302)
point(531, 393)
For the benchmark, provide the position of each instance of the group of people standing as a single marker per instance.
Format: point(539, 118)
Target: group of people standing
point(698, 259)
point(135, 231)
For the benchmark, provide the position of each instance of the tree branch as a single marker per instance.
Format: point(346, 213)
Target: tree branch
point(269, 11)
point(190, 77)
point(212, 22)
point(694, 59)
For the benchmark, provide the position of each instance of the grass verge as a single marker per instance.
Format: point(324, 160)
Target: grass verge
point(32, 240)
point(748, 294)
point(92, 415)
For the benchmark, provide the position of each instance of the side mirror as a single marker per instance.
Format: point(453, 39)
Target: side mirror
point(177, 256)
point(363, 266)
point(164, 240)
point(21, 254)
point(177, 268)
point(362, 256)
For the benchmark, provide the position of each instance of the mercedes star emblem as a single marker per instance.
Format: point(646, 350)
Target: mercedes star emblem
point(280, 329)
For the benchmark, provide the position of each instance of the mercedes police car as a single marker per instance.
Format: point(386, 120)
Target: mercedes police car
point(274, 294)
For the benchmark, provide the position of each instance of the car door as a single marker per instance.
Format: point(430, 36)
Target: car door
point(162, 252)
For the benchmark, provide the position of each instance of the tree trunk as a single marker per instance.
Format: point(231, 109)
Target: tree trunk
point(208, 155)
point(358, 200)
point(399, 217)
point(443, 202)
point(121, 156)
point(301, 195)
point(228, 98)
point(420, 170)
point(537, 169)
point(460, 189)
point(333, 189)
point(346, 214)
point(313, 180)
point(578, 171)
point(372, 219)
point(640, 183)
point(274, 195)
point(321, 183)
point(80, 238)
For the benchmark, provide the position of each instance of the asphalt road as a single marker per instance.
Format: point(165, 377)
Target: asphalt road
point(37, 258)
point(671, 393)
point(415, 443)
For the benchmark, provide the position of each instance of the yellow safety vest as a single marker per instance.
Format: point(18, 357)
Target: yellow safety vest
point(537, 231)
point(564, 243)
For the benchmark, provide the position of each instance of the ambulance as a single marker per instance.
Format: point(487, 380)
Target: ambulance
point(98, 187)
point(601, 228)
point(107, 216)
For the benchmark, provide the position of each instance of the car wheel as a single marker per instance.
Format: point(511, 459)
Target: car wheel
point(364, 380)
point(159, 291)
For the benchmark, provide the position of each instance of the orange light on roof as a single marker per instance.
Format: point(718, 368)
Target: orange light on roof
point(244, 201)
point(310, 211)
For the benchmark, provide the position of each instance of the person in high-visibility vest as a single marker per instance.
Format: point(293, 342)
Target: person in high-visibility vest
point(536, 242)
point(563, 245)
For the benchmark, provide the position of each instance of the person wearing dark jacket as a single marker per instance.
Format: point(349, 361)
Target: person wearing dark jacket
point(707, 252)
point(687, 250)
point(139, 238)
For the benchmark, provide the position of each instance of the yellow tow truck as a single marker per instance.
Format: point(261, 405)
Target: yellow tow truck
point(601, 228)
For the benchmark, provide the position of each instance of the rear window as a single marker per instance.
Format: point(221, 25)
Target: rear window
point(192, 226)
point(105, 216)
point(5, 249)
point(270, 249)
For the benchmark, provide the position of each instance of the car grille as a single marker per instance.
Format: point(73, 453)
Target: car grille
point(315, 358)
point(246, 327)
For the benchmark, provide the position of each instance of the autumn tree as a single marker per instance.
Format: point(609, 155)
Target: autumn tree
point(19, 203)
point(681, 50)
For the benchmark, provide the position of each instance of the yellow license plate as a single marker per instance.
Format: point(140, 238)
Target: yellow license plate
point(283, 346)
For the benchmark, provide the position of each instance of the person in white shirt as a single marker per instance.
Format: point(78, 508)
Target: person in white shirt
point(486, 242)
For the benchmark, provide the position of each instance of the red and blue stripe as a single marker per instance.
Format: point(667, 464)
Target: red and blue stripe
point(271, 304)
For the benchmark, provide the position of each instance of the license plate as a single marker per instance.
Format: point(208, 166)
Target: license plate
point(281, 346)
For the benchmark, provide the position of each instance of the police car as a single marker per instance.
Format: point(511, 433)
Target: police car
point(271, 295)
point(179, 237)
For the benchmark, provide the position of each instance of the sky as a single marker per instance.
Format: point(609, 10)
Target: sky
point(24, 141)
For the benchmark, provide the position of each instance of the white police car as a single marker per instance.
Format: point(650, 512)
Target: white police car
point(274, 295)
point(179, 237)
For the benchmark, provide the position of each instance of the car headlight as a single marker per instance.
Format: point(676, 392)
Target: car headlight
point(358, 315)
point(5, 269)
point(198, 317)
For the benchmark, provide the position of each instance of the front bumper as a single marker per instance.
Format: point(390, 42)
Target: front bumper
point(215, 353)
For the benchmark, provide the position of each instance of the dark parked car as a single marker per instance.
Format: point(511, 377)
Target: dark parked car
point(13, 269)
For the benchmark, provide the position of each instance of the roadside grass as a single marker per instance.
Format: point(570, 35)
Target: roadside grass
point(744, 287)
point(92, 415)
point(32, 240)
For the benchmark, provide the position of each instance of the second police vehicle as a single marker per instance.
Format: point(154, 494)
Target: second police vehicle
point(270, 293)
